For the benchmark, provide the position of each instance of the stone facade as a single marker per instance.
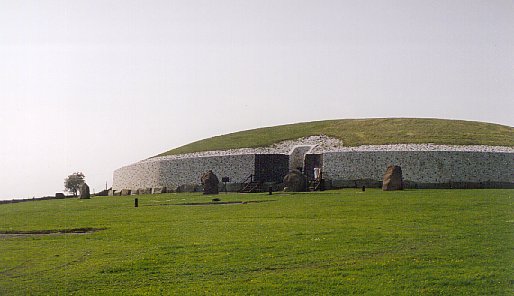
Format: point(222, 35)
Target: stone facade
point(138, 175)
point(297, 156)
point(420, 167)
point(456, 167)
point(172, 173)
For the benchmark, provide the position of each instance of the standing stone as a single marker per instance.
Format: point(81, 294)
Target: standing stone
point(295, 181)
point(210, 183)
point(84, 191)
point(393, 179)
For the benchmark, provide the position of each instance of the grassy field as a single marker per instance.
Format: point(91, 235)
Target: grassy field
point(345, 242)
point(355, 132)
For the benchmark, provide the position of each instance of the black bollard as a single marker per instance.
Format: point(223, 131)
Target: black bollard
point(270, 190)
point(363, 188)
point(136, 204)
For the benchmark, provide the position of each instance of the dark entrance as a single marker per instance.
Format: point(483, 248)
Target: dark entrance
point(312, 161)
point(271, 167)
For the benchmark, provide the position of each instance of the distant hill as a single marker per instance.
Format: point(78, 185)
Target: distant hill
point(355, 132)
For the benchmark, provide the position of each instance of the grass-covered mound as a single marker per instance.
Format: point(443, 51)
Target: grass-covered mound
point(346, 242)
point(355, 132)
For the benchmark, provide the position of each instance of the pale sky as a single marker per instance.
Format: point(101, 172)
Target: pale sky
point(94, 85)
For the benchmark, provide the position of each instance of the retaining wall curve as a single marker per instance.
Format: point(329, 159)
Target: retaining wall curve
point(171, 173)
point(421, 167)
point(341, 169)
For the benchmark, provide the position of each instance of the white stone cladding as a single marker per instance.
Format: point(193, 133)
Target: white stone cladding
point(171, 173)
point(138, 175)
point(421, 166)
point(421, 163)
point(297, 156)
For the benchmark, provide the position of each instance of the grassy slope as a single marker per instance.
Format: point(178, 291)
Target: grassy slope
point(354, 132)
point(415, 242)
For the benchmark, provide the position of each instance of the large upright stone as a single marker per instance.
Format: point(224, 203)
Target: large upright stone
point(84, 191)
point(295, 181)
point(393, 179)
point(210, 183)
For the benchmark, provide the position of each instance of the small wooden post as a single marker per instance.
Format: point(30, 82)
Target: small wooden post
point(363, 188)
point(136, 204)
point(270, 190)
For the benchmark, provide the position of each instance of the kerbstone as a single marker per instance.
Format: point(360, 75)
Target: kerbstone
point(210, 183)
point(295, 181)
point(393, 179)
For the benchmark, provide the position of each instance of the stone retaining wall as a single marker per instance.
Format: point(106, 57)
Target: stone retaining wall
point(172, 173)
point(420, 167)
point(137, 175)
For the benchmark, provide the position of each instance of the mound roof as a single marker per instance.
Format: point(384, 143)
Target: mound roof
point(356, 132)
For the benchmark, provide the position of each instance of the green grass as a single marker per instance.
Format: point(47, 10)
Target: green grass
point(355, 132)
point(346, 242)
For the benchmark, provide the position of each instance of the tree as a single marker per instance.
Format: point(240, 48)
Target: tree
point(72, 182)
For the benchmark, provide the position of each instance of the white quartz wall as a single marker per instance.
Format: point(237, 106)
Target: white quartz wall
point(171, 173)
point(137, 175)
point(417, 166)
point(421, 166)
point(297, 156)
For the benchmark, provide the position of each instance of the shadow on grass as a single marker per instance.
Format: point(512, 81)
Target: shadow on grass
point(83, 230)
point(213, 203)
